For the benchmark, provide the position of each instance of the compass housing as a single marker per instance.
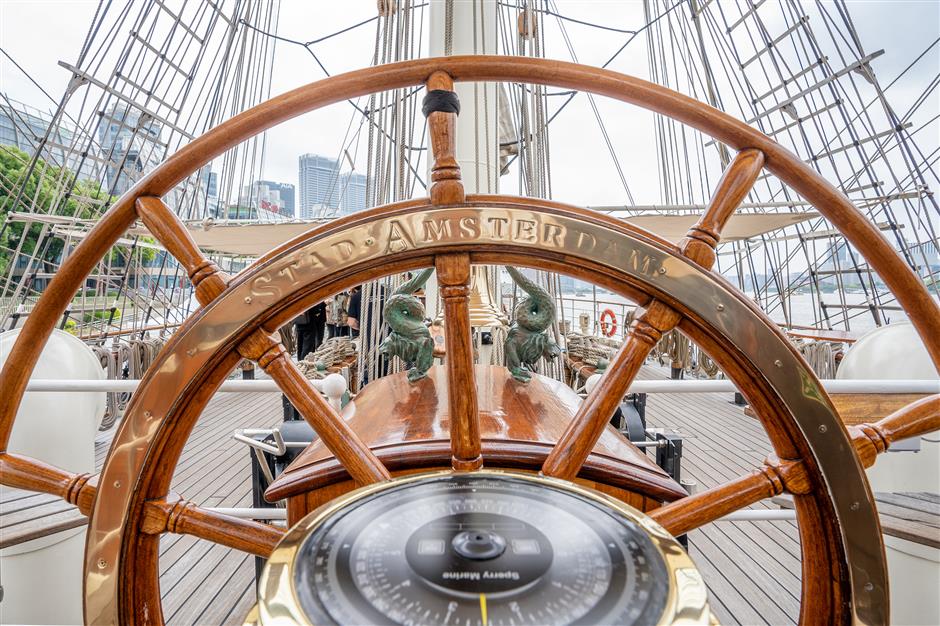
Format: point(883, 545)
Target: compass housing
point(482, 547)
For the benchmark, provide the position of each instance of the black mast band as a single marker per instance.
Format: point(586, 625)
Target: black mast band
point(440, 100)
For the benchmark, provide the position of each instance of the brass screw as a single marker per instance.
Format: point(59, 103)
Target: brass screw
point(662, 270)
point(778, 363)
point(102, 564)
point(720, 307)
point(117, 484)
point(823, 428)
point(247, 300)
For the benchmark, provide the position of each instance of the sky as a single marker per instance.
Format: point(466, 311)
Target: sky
point(583, 172)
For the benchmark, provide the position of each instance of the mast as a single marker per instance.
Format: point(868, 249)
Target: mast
point(470, 27)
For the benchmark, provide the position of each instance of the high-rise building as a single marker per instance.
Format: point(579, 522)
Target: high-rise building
point(270, 196)
point(208, 193)
point(319, 185)
point(352, 192)
point(285, 197)
point(131, 144)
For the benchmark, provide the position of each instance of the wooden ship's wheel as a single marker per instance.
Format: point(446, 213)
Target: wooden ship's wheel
point(640, 574)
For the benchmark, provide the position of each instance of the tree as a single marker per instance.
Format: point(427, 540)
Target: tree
point(42, 193)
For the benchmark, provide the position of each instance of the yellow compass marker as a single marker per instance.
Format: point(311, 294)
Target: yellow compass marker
point(483, 607)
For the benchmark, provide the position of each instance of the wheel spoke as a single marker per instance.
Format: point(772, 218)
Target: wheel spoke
point(772, 479)
point(698, 246)
point(446, 186)
point(776, 477)
point(916, 419)
point(182, 517)
point(25, 473)
point(576, 443)
point(207, 279)
point(702, 239)
point(337, 436)
point(453, 275)
point(209, 282)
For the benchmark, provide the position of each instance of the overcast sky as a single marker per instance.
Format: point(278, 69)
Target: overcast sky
point(38, 33)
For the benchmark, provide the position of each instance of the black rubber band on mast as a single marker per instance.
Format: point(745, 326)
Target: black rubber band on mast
point(440, 100)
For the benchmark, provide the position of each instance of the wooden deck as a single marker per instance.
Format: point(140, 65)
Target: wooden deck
point(752, 568)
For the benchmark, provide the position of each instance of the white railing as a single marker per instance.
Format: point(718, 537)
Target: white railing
point(639, 386)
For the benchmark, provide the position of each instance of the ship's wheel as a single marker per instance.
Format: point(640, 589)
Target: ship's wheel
point(478, 542)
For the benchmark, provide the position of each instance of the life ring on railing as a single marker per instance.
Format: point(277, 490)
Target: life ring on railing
point(608, 323)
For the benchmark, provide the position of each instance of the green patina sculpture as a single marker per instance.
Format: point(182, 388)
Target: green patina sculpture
point(410, 339)
point(528, 340)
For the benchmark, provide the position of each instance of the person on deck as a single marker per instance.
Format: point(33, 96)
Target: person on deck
point(354, 311)
point(336, 315)
point(310, 327)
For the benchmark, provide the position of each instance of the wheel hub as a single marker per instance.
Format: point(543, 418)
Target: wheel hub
point(479, 548)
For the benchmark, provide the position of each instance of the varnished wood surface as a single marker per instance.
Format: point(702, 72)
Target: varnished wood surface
point(453, 276)
point(519, 423)
point(176, 515)
point(656, 318)
point(860, 408)
point(918, 418)
point(704, 507)
point(776, 475)
point(736, 182)
point(333, 431)
point(260, 347)
point(446, 186)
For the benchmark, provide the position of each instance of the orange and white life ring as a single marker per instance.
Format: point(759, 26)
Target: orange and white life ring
point(608, 323)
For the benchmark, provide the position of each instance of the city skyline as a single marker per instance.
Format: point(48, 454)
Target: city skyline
point(325, 191)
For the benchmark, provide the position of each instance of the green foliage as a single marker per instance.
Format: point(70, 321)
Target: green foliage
point(42, 188)
point(102, 315)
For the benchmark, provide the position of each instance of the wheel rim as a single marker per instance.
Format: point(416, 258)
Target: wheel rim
point(904, 284)
point(273, 300)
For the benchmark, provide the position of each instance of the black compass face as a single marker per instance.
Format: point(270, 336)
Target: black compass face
point(468, 550)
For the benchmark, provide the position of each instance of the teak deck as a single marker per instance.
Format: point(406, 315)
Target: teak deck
point(752, 568)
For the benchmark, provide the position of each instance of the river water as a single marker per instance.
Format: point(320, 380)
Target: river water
point(804, 310)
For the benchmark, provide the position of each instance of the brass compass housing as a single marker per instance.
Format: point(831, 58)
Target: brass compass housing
point(540, 550)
